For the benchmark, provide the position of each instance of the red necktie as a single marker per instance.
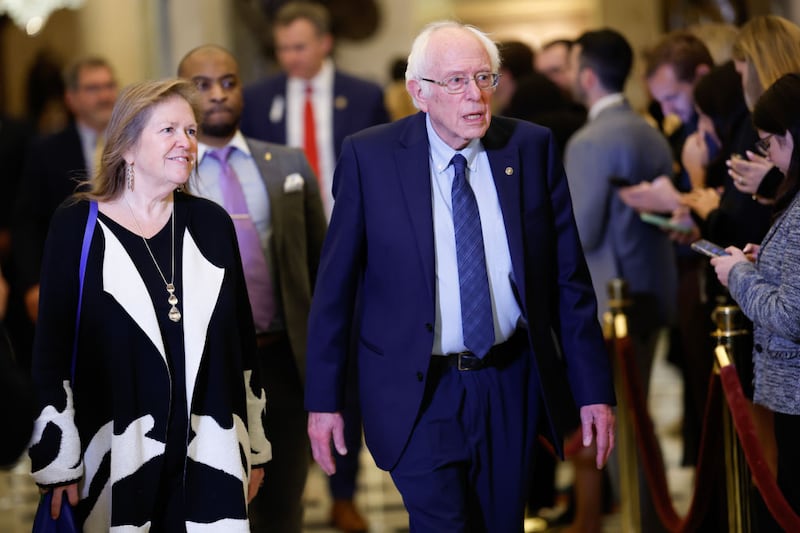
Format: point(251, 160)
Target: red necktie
point(310, 133)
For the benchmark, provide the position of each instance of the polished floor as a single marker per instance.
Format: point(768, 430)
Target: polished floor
point(376, 495)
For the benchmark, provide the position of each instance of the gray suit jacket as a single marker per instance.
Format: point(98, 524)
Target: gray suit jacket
point(619, 143)
point(298, 229)
point(769, 294)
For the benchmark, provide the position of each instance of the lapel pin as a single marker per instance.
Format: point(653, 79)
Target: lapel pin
point(268, 156)
point(509, 171)
point(340, 103)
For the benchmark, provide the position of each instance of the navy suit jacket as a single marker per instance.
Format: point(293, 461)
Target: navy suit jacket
point(357, 104)
point(378, 257)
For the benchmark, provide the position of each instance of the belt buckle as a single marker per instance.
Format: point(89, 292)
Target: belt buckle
point(464, 357)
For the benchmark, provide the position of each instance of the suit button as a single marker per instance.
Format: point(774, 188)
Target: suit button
point(759, 348)
point(420, 376)
point(429, 327)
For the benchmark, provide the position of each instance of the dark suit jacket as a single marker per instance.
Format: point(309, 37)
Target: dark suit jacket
point(53, 170)
point(379, 254)
point(298, 229)
point(14, 139)
point(357, 104)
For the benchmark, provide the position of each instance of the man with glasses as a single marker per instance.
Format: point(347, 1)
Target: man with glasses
point(453, 238)
point(56, 164)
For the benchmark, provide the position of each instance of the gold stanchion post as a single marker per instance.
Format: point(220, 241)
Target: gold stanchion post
point(729, 319)
point(615, 326)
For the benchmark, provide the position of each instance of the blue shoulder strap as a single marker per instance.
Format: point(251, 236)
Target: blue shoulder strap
point(87, 241)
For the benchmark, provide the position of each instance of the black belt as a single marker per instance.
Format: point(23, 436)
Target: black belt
point(264, 340)
point(498, 355)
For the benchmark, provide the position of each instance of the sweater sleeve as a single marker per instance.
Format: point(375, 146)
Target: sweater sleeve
point(55, 448)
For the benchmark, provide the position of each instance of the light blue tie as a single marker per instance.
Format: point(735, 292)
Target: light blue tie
point(476, 303)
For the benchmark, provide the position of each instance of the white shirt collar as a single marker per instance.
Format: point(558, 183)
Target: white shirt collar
point(442, 153)
point(605, 102)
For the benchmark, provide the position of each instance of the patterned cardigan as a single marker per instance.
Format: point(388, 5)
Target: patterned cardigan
point(109, 431)
point(768, 292)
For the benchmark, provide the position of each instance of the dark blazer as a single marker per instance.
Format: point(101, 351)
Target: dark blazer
point(357, 104)
point(298, 229)
point(379, 257)
point(53, 169)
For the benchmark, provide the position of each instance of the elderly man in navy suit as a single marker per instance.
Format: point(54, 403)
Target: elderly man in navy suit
point(453, 247)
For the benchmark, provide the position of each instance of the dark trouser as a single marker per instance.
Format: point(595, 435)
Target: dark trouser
point(787, 436)
point(465, 467)
point(278, 506)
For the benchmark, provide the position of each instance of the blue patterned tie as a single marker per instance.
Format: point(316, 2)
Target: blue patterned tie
point(476, 303)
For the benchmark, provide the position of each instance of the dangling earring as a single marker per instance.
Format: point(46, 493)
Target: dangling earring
point(129, 176)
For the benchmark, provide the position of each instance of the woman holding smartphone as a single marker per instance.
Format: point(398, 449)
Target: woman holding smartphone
point(765, 282)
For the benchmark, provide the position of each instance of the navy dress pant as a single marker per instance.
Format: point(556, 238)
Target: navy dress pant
point(467, 463)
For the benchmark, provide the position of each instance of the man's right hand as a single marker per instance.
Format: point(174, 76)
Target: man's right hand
point(322, 428)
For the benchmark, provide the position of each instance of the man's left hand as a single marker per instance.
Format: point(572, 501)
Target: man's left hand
point(598, 420)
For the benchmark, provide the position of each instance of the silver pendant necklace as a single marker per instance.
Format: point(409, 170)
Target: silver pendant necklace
point(174, 314)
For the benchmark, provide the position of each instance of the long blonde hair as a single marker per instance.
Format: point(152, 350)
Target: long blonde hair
point(131, 113)
point(770, 47)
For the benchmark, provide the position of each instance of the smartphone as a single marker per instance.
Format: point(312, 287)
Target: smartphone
point(708, 248)
point(663, 222)
point(616, 181)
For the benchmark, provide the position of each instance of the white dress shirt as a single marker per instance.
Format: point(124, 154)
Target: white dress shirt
point(448, 331)
point(322, 100)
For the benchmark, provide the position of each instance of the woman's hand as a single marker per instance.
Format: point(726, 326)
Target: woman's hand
point(723, 264)
point(255, 483)
point(702, 201)
point(751, 251)
point(694, 158)
point(58, 494)
point(747, 173)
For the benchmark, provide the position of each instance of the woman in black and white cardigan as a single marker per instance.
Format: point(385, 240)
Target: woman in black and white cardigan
point(161, 429)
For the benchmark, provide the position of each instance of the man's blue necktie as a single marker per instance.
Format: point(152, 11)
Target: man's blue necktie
point(476, 303)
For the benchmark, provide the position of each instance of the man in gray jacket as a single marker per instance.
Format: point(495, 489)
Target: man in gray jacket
point(618, 147)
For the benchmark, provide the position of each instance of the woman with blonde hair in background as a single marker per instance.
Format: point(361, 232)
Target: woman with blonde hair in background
point(767, 48)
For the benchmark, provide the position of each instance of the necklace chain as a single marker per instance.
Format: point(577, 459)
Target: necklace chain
point(174, 313)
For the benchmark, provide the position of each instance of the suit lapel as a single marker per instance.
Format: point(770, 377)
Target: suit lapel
point(506, 172)
point(272, 180)
point(413, 171)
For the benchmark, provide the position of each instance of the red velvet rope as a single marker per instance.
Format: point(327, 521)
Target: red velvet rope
point(652, 460)
point(765, 481)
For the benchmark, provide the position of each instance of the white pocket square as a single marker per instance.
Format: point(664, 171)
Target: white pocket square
point(293, 183)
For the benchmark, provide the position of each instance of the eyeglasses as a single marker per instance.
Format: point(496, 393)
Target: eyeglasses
point(458, 84)
point(762, 145)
